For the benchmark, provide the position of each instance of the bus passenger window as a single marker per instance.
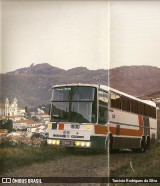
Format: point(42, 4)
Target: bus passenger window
point(140, 108)
point(103, 107)
point(103, 115)
point(115, 101)
point(147, 110)
point(125, 103)
point(134, 106)
point(153, 112)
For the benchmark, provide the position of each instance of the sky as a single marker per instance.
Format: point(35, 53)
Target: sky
point(68, 34)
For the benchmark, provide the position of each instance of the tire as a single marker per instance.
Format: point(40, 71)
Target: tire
point(143, 145)
point(147, 141)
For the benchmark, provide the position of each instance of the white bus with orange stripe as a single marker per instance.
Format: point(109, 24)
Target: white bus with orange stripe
point(97, 116)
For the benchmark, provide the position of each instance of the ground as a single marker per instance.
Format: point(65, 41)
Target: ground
point(77, 164)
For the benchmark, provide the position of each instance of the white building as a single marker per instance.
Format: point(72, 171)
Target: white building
point(41, 129)
point(21, 111)
point(2, 109)
point(25, 124)
point(42, 117)
point(11, 109)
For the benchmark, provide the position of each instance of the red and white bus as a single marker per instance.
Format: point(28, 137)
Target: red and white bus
point(97, 116)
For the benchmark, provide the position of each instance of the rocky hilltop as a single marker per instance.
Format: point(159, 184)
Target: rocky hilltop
point(32, 85)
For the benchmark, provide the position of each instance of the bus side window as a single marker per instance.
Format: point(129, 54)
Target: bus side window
point(125, 103)
point(153, 112)
point(103, 107)
point(147, 110)
point(140, 108)
point(115, 101)
point(103, 115)
point(134, 106)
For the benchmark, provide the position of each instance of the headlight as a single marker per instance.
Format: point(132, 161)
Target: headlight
point(82, 143)
point(53, 142)
point(49, 141)
point(88, 144)
point(77, 143)
point(57, 142)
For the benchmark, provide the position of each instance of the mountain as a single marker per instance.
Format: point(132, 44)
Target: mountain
point(32, 85)
point(136, 80)
point(39, 69)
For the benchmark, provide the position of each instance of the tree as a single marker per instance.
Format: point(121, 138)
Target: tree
point(26, 109)
point(8, 124)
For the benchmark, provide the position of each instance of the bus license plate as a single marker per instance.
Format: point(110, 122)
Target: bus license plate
point(67, 143)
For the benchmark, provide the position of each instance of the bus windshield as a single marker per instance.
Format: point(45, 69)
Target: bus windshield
point(74, 104)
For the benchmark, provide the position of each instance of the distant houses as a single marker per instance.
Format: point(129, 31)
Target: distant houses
point(28, 123)
point(42, 117)
point(24, 124)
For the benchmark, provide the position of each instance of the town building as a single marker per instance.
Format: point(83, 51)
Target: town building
point(24, 124)
point(2, 109)
point(41, 117)
point(11, 109)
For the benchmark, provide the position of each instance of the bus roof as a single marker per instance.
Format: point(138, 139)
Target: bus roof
point(107, 88)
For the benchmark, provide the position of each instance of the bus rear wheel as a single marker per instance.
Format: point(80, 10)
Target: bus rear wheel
point(147, 141)
point(143, 146)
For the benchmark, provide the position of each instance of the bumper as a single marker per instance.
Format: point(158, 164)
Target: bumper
point(70, 143)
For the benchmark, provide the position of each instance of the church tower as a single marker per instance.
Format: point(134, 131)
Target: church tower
point(11, 109)
point(15, 106)
point(6, 107)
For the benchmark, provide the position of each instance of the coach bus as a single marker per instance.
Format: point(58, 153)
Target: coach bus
point(97, 116)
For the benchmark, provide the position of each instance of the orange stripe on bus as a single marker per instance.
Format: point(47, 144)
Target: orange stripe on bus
point(122, 131)
point(100, 129)
point(127, 132)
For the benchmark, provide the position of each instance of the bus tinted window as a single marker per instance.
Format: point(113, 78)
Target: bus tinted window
point(153, 112)
point(134, 106)
point(61, 94)
point(115, 101)
point(74, 104)
point(83, 93)
point(103, 98)
point(147, 110)
point(103, 107)
point(77, 94)
point(125, 103)
point(140, 108)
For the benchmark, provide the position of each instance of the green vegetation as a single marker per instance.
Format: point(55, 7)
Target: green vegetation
point(14, 157)
point(141, 165)
point(8, 124)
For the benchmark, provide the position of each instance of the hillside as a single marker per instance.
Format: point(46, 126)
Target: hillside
point(32, 85)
